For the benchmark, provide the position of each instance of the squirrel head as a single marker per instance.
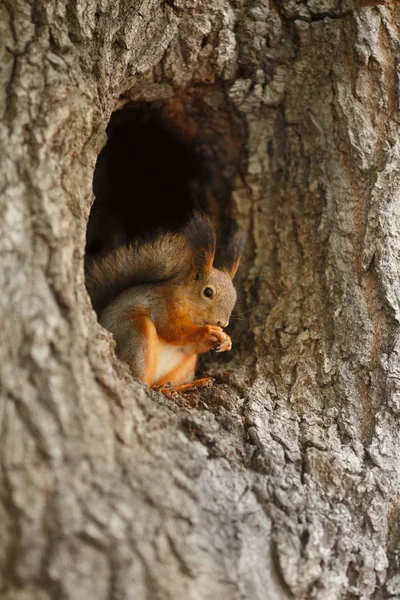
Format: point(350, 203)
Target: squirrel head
point(211, 295)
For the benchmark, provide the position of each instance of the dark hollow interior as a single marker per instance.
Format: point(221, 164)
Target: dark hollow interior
point(146, 179)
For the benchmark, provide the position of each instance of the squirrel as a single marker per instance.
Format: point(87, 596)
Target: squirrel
point(167, 300)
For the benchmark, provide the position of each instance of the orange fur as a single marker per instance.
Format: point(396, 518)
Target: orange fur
point(181, 331)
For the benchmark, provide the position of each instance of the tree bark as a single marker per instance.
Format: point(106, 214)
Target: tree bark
point(284, 481)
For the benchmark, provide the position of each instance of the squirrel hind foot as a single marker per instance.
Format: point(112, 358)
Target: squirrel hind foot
point(173, 392)
point(203, 382)
point(170, 392)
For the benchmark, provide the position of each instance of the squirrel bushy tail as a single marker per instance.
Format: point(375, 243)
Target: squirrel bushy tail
point(167, 256)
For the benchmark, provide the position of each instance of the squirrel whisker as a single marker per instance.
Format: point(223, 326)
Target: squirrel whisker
point(246, 311)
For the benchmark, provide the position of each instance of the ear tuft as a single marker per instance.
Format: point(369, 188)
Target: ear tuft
point(200, 233)
point(229, 253)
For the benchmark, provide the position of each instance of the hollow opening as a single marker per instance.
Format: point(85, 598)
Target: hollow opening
point(161, 162)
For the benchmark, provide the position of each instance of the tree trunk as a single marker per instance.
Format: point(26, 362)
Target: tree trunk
point(283, 481)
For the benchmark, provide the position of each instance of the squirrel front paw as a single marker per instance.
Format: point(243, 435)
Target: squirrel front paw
point(213, 333)
point(221, 341)
point(224, 345)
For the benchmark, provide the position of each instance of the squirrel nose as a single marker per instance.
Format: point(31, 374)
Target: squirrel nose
point(223, 326)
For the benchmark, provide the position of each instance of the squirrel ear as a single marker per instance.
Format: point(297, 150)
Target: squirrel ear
point(200, 234)
point(229, 254)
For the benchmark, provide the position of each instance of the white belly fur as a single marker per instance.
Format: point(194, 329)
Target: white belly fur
point(168, 357)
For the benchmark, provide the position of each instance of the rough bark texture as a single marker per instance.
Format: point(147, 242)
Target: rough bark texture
point(283, 482)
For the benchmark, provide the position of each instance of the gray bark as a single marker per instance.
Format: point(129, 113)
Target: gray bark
point(284, 481)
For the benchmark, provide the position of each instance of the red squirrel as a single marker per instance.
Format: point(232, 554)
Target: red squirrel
point(167, 300)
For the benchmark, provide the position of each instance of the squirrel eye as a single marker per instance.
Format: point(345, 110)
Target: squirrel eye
point(208, 292)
